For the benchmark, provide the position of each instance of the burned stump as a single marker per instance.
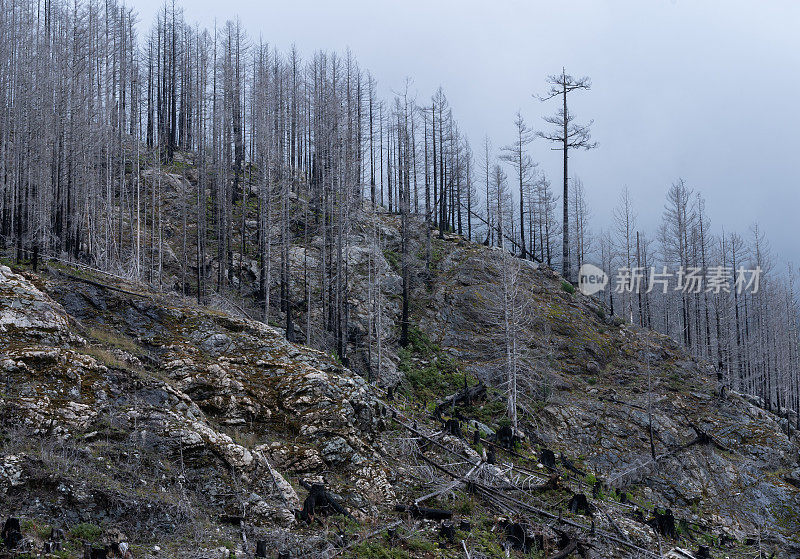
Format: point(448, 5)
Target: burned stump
point(447, 531)
point(506, 437)
point(517, 536)
point(548, 458)
point(319, 503)
point(579, 504)
point(453, 427)
point(664, 524)
point(12, 533)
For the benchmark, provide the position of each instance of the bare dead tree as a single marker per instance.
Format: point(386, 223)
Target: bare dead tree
point(570, 135)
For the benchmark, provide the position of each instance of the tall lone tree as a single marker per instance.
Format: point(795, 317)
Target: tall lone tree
point(569, 134)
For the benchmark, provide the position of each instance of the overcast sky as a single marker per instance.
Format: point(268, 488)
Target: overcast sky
point(704, 90)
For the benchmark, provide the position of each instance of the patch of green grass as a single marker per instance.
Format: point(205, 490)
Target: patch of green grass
point(86, 532)
point(432, 381)
point(489, 411)
point(393, 258)
point(568, 287)
point(419, 545)
point(600, 312)
point(377, 550)
point(110, 337)
point(420, 343)
point(41, 530)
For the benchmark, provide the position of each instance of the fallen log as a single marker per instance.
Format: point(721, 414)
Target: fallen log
point(570, 465)
point(466, 396)
point(449, 487)
point(427, 513)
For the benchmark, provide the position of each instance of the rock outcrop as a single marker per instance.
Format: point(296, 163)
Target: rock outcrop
point(146, 412)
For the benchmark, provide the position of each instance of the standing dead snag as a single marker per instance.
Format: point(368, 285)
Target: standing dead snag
point(318, 503)
point(570, 135)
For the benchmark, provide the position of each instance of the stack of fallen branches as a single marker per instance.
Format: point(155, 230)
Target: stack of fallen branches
point(499, 497)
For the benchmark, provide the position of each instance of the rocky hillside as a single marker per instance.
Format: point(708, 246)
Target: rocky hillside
point(134, 411)
point(192, 432)
point(722, 462)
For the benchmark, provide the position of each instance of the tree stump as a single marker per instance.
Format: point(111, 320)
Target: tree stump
point(448, 531)
point(453, 427)
point(548, 458)
point(12, 533)
point(319, 502)
point(579, 504)
point(261, 548)
point(517, 536)
point(665, 523)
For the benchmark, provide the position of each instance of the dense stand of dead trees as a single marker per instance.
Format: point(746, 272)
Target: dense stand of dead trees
point(745, 317)
point(113, 144)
